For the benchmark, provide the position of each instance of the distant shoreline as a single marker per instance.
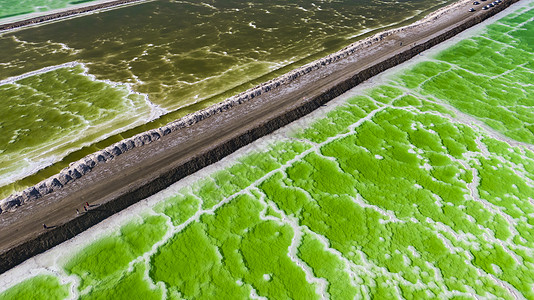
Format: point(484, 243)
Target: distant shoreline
point(63, 13)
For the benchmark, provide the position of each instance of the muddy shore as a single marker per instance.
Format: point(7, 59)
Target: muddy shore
point(136, 168)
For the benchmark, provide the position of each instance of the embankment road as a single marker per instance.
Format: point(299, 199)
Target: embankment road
point(143, 171)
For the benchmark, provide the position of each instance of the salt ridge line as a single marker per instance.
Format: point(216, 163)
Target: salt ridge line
point(478, 126)
point(428, 55)
point(85, 165)
point(254, 185)
point(173, 230)
point(29, 268)
point(472, 187)
point(298, 230)
point(442, 227)
point(12, 80)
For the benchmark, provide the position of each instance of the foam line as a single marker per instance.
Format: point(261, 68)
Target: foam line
point(12, 80)
point(41, 157)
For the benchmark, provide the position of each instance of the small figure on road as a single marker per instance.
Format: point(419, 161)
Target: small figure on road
point(85, 208)
point(77, 211)
point(44, 226)
point(87, 204)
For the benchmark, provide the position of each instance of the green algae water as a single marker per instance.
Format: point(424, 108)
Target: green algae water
point(40, 121)
point(19, 9)
point(40, 287)
point(183, 55)
point(395, 190)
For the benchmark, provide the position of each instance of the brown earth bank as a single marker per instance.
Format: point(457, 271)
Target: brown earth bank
point(64, 14)
point(135, 169)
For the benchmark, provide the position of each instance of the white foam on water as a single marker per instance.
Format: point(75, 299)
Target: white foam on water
point(415, 14)
point(12, 80)
point(155, 110)
point(43, 155)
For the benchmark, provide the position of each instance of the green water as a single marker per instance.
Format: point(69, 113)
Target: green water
point(397, 191)
point(40, 287)
point(185, 55)
point(19, 8)
point(40, 121)
point(185, 52)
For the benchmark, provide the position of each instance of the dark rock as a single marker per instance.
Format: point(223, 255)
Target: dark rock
point(31, 194)
point(44, 189)
point(155, 135)
point(122, 146)
point(55, 184)
point(75, 174)
point(64, 178)
point(83, 168)
point(107, 155)
point(11, 203)
point(146, 138)
point(116, 151)
point(129, 144)
point(138, 141)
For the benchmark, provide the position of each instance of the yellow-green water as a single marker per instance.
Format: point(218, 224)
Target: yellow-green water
point(46, 115)
point(20, 8)
point(183, 56)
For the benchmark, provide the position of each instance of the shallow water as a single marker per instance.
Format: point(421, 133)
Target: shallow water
point(19, 8)
point(183, 55)
point(181, 52)
point(40, 122)
point(394, 190)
